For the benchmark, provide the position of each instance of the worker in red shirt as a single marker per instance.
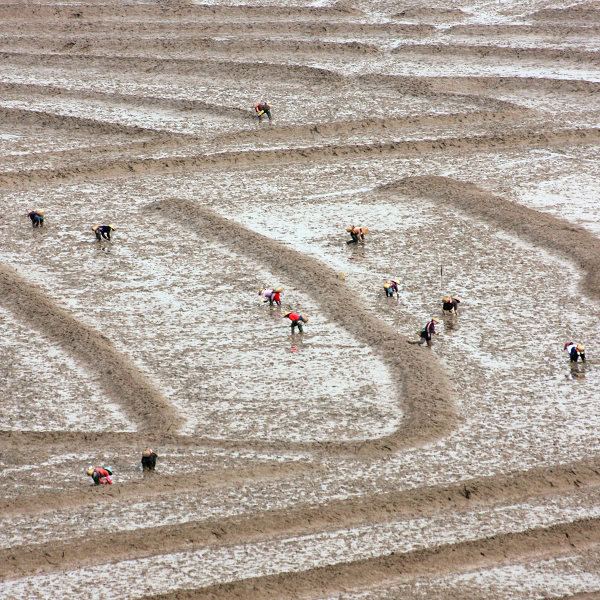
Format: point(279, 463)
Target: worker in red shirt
point(261, 109)
point(100, 475)
point(296, 320)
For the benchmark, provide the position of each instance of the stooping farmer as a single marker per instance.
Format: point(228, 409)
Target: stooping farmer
point(103, 231)
point(450, 304)
point(296, 320)
point(100, 475)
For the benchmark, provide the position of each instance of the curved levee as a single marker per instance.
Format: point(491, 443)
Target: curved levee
point(121, 379)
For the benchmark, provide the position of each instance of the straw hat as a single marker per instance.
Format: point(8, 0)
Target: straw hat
point(365, 230)
point(112, 226)
point(289, 312)
point(94, 227)
point(278, 290)
point(260, 291)
point(436, 319)
point(147, 453)
point(580, 347)
point(349, 229)
point(447, 299)
point(90, 471)
point(40, 212)
point(305, 319)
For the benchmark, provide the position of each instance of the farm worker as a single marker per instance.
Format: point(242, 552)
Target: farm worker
point(390, 287)
point(262, 108)
point(37, 217)
point(576, 351)
point(272, 295)
point(428, 331)
point(100, 475)
point(357, 234)
point(450, 304)
point(103, 231)
point(296, 320)
point(149, 459)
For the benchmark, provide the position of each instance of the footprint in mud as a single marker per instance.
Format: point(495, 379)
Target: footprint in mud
point(577, 372)
point(451, 324)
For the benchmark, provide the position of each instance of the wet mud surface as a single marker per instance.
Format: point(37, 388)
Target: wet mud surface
point(341, 462)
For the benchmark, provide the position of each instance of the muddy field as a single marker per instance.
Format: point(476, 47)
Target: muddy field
point(344, 462)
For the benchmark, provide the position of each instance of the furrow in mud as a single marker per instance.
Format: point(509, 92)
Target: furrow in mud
point(121, 379)
point(467, 495)
point(543, 230)
point(423, 384)
point(116, 168)
point(555, 541)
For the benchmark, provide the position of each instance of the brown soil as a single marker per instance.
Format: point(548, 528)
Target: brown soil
point(137, 101)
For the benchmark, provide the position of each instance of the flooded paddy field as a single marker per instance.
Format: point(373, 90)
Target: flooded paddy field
point(341, 462)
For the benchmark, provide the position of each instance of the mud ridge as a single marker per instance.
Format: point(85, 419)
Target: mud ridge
point(179, 66)
point(183, 104)
point(22, 116)
point(425, 389)
point(483, 143)
point(334, 515)
point(505, 52)
point(573, 14)
point(120, 378)
point(152, 485)
point(486, 84)
point(137, 46)
point(571, 241)
point(174, 12)
point(570, 31)
point(270, 28)
point(373, 125)
point(534, 544)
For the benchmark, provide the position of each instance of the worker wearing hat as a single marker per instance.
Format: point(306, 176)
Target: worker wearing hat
point(37, 217)
point(262, 108)
point(357, 234)
point(103, 231)
point(100, 475)
point(576, 351)
point(391, 286)
point(149, 459)
point(272, 295)
point(296, 320)
point(450, 304)
point(428, 331)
